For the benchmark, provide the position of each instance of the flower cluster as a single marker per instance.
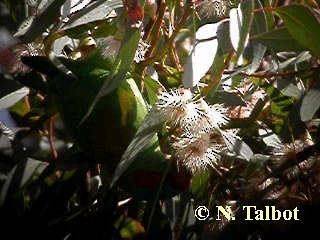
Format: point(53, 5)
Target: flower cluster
point(213, 8)
point(196, 126)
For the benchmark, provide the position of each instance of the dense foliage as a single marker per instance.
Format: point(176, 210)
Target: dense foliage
point(119, 118)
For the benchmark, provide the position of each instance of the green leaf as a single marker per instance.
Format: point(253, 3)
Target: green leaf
point(34, 26)
point(284, 112)
point(302, 25)
point(218, 64)
point(170, 76)
point(25, 171)
point(310, 104)
point(268, 14)
point(152, 87)
point(98, 10)
point(240, 23)
point(129, 228)
point(259, 25)
point(228, 98)
point(200, 187)
point(278, 40)
point(100, 29)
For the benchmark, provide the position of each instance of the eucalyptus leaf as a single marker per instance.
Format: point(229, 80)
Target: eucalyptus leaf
point(34, 26)
point(100, 29)
point(236, 145)
point(217, 68)
point(240, 23)
point(304, 56)
point(228, 98)
point(25, 26)
point(279, 40)
point(72, 6)
point(259, 25)
point(284, 111)
point(5, 187)
point(310, 104)
point(152, 87)
point(289, 88)
point(302, 25)
point(19, 176)
point(95, 11)
point(33, 168)
point(202, 54)
point(200, 187)
point(270, 138)
point(13, 97)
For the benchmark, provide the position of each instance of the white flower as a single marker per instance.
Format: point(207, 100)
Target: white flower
point(193, 118)
point(211, 117)
point(196, 153)
point(176, 106)
point(179, 108)
point(195, 129)
point(215, 113)
point(210, 8)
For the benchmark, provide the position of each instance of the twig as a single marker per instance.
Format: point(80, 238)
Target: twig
point(51, 139)
point(271, 9)
point(280, 74)
point(154, 57)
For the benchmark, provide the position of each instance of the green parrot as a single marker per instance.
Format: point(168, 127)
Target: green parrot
point(111, 126)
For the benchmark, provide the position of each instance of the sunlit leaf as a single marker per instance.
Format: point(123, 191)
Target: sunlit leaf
point(25, 26)
point(284, 110)
point(259, 25)
point(100, 28)
point(236, 145)
point(302, 25)
point(152, 88)
point(202, 54)
point(14, 97)
point(240, 23)
point(310, 104)
point(35, 26)
point(217, 68)
point(270, 138)
point(95, 11)
point(72, 6)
